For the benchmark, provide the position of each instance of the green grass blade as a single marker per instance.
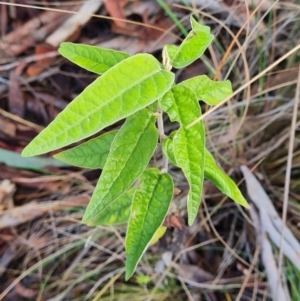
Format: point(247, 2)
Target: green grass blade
point(172, 16)
point(91, 154)
point(181, 105)
point(129, 155)
point(131, 85)
point(149, 209)
point(91, 58)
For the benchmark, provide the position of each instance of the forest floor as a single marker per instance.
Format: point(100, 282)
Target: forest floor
point(230, 253)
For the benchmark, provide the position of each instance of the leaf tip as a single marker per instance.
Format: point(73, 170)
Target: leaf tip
point(129, 269)
point(58, 156)
point(242, 201)
point(191, 220)
point(26, 152)
point(86, 219)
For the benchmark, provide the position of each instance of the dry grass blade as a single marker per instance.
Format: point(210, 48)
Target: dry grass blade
point(269, 218)
point(254, 79)
point(89, 15)
point(288, 180)
point(268, 259)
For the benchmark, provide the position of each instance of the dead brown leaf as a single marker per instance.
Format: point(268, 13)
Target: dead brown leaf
point(28, 212)
point(25, 292)
point(173, 221)
point(19, 215)
point(15, 96)
point(7, 127)
point(115, 9)
point(7, 190)
point(194, 273)
point(42, 64)
point(3, 18)
point(44, 183)
point(34, 31)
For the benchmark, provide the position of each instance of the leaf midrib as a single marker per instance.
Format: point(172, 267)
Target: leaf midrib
point(103, 197)
point(49, 141)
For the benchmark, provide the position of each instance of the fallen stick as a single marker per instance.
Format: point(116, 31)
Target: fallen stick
point(34, 31)
point(74, 22)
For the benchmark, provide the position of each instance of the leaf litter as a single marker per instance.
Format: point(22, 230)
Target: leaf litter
point(41, 234)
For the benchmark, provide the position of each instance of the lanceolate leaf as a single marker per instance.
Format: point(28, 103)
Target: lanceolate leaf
point(211, 92)
point(212, 172)
point(129, 155)
point(192, 47)
point(224, 183)
point(150, 206)
point(118, 212)
point(181, 105)
point(91, 154)
point(124, 89)
point(91, 58)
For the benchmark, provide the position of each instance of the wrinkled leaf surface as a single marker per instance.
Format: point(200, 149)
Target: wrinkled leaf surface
point(91, 58)
point(211, 92)
point(181, 105)
point(91, 154)
point(150, 206)
point(131, 85)
point(129, 155)
point(192, 47)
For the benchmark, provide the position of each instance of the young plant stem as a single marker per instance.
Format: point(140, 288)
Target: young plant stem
point(160, 124)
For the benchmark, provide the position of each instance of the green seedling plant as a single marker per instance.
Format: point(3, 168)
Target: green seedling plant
point(139, 89)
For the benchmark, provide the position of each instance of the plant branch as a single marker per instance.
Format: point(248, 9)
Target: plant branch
point(160, 124)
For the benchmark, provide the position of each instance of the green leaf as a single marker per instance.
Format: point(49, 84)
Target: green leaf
point(181, 105)
point(131, 85)
point(192, 47)
point(143, 279)
point(160, 232)
point(91, 58)
point(212, 172)
point(150, 206)
point(153, 107)
point(211, 92)
point(117, 212)
point(129, 155)
point(222, 181)
point(168, 149)
point(91, 154)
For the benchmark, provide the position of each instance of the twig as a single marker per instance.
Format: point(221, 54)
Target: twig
point(74, 22)
point(160, 125)
point(21, 120)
